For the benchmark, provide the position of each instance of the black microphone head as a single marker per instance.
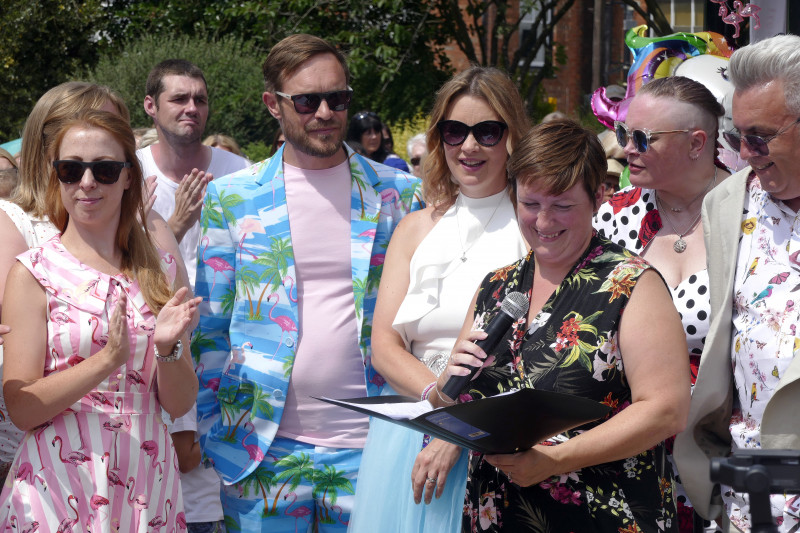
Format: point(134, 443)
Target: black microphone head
point(515, 305)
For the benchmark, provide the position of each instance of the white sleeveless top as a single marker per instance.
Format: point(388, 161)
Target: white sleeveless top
point(441, 287)
point(35, 231)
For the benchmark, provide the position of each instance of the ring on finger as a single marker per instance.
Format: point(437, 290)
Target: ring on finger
point(431, 480)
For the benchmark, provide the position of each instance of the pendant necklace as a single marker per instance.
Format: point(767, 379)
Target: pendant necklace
point(464, 250)
point(680, 245)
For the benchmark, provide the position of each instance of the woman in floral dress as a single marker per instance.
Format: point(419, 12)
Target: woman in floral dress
point(601, 325)
point(95, 350)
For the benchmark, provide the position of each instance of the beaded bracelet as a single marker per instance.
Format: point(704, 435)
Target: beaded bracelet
point(427, 390)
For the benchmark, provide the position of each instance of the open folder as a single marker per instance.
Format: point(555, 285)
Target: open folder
point(506, 423)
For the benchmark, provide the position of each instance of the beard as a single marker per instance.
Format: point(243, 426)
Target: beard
point(317, 146)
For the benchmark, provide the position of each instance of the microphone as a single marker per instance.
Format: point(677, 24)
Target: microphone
point(514, 305)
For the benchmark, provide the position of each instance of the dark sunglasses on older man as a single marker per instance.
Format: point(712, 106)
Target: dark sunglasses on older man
point(486, 133)
point(641, 138)
point(105, 172)
point(308, 103)
point(756, 143)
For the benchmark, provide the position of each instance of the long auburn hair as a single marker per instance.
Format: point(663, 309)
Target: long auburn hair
point(54, 106)
point(140, 258)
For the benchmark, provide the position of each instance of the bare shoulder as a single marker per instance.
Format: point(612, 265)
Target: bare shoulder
point(415, 226)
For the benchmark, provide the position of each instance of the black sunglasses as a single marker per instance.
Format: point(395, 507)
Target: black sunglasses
point(486, 133)
point(415, 161)
point(105, 172)
point(641, 138)
point(305, 104)
point(756, 143)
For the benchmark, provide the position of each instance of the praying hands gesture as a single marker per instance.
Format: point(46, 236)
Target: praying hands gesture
point(188, 202)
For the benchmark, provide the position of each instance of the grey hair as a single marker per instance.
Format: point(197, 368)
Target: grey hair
point(419, 138)
point(776, 58)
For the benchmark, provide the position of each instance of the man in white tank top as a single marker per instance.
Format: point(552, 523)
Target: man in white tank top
point(177, 101)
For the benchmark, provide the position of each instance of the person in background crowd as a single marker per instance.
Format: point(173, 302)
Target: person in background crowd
point(8, 173)
point(277, 142)
point(23, 219)
point(417, 149)
point(98, 323)
point(392, 159)
point(366, 128)
point(177, 101)
point(290, 257)
point(436, 259)
point(747, 393)
point(223, 142)
point(589, 332)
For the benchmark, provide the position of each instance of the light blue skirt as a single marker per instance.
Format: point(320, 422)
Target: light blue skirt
point(384, 496)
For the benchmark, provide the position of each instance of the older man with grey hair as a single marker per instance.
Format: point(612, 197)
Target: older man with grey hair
point(747, 393)
point(417, 148)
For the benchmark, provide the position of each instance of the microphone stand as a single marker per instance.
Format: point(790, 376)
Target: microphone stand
point(759, 473)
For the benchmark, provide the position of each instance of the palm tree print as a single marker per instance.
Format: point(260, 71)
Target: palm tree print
point(260, 408)
point(260, 481)
point(200, 341)
point(358, 179)
point(297, 468)
point(328, 483)
point(276, 261)
point(219, 212)
point(247, 281)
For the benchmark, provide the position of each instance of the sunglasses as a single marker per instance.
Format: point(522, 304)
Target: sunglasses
point(106, 172)
point(415, 161)
point(486, 133)
point(641, 138)
point(305, 104)
point(756, 143)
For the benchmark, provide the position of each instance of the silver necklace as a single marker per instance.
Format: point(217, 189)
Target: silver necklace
point(693, 200)
point(464, 250)
point(680, 245)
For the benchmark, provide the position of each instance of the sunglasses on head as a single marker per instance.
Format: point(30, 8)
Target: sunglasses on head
point(106, 172)
point(305, 104)
point(486, 133)
point(641, 138)
point(756, 143)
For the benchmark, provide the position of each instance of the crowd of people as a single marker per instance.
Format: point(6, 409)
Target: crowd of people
point(171, 312)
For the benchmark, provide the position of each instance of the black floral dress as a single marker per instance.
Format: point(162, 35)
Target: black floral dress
point(570, 347)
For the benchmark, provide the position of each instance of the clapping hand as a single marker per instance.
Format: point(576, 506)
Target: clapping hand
point(174, 319)
point(188, 202)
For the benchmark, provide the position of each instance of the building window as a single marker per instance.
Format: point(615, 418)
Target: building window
point(684, 15)
point(526, 27)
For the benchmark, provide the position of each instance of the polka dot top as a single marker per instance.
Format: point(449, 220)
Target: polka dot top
point(631, 219)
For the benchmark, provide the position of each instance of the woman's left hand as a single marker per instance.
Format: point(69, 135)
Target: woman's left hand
point(529, 467)
point(174, 319)
point(431, 468)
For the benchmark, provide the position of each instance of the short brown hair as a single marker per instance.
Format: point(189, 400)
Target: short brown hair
point(499, 92)
point(558, 155)
point(170, 67)
point(289, 55)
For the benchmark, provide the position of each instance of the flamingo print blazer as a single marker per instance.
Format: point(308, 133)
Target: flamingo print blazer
point(245, 255)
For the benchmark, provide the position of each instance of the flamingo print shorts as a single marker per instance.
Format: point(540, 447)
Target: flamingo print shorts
point(306, 486)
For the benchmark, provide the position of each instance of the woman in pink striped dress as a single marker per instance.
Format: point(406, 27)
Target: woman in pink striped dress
point(95, 350)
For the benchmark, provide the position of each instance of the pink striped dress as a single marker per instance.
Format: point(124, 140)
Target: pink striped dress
point(106, 463)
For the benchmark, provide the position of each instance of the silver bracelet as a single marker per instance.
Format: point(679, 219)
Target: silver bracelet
point(439, 394)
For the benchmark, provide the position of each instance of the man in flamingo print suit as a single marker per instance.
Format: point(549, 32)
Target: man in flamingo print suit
point(289, 262)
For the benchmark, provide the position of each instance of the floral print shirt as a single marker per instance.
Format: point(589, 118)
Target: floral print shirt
point(765, 318)
point(571, 346)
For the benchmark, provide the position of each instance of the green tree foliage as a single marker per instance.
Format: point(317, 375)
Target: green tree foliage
point(40, 42)
point(232, 68)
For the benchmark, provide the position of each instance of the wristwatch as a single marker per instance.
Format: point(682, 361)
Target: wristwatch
point(171, 358)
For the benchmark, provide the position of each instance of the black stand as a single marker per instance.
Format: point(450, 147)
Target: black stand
point(759, 473)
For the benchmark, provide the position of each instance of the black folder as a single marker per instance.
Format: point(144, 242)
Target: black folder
point(506, 423)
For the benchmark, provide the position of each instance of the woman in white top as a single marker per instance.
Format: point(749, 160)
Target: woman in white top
point(23, 223)
point(435, 261)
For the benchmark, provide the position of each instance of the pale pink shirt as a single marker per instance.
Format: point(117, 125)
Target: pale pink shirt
point(328, 359)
